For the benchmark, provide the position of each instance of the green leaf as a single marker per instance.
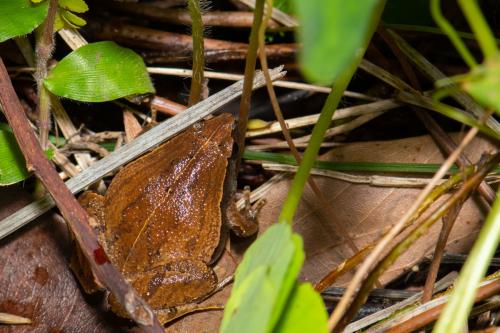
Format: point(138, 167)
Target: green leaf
point(72, 20)
point(99, 72)
point(332, 33)
point(12, 163)
point(483, 83)
point(305, 312)
point(77, 6)
point(250, 311)
point(20, 17)
point(277, 254)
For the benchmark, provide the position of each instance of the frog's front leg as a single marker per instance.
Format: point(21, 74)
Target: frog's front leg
point(243, 222)
point(174, 288)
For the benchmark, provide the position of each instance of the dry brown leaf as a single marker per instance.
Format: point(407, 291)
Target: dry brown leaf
point(367, 210)
point(36, 281)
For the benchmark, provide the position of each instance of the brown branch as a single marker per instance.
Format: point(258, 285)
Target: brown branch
point(75, 215)
point(166, 106)
point(178, 47)
point(229, 19)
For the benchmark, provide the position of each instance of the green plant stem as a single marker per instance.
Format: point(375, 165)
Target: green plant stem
point(448, 29)
point(198, 52)
point(480, 28)
point(351, 166)
point(249, 74)
point(340, 84)
point(453, 113)
point(44, 47)
point(311, 153)
point(474, 269)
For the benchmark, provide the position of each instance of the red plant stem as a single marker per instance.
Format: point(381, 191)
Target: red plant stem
point(75, 215)
point(167, 106)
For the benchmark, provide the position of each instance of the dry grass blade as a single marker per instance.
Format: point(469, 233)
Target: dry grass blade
point(235, 77)
point(10, 319)
point(373, 180)
point(310, 120)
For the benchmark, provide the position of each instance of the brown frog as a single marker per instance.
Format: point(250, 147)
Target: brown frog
point(160, 221)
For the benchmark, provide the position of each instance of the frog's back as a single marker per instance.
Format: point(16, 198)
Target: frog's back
point(166, 204)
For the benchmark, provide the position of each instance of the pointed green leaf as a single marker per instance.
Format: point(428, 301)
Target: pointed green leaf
point(99, 72)
point(12, 163)
point(77, 6)
point(305, 312)
point(332, 33)
point(20, 17)
point(72, 20)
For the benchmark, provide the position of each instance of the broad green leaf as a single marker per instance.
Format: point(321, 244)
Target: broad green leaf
point(274, 246)
point(304, 312)
point(20, 17)
point(483, 84)
point(279, 254)
point(12, 163)
point(332, 33)
point(99, 72)
point(77, 6)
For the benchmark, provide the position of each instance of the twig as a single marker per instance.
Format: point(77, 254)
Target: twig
point(230, 19)
point(127, 153)
point(448, 221)
point(75, 215)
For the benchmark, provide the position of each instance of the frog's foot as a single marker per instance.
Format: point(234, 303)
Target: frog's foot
point(169, 286)
point(244, 222)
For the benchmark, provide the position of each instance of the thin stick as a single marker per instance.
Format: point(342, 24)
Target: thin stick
point(75, 215)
